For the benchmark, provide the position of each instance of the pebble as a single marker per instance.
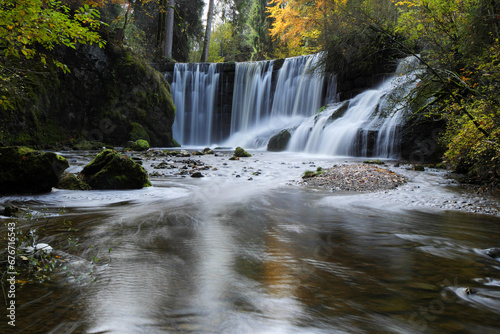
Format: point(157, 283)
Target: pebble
point(356, 177)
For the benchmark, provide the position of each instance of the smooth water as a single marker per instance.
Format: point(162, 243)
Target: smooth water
point(243, 252)
point(194, 91)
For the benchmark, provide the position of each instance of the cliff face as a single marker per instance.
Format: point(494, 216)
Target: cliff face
point(107, 94)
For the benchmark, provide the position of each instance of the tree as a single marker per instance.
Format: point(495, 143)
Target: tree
point(30, 29)
point(206, 41)
point(169, 29)
point(260, 23)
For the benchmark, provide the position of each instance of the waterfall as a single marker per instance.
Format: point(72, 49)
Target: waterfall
point(264, 100)
point(299, 88)
point(195, 88)
point(298, 94)
point(251, 95)
point(366, 125)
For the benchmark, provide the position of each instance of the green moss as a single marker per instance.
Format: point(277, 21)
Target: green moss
point(112, 170)
point(72, 182)
point(241, 153)
point(138, 132)
point(140, 145)
point(24, 170)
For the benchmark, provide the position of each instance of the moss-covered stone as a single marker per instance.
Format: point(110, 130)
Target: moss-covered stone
point(279, 142)
point(23, 170)
point(138, 132)
point(241, 153)
point(71, 181)
point(112, 170)
point(140, 145)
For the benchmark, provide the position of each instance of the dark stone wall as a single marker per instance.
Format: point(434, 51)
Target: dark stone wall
point(105, 91)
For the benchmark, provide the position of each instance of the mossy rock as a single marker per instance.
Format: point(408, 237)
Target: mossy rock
point(140, 145)
point(279, 142)
point(71, 181)
point(374, 162)
point(112, 170)
point(241, 153)
point(138, 132)
point(23, 170)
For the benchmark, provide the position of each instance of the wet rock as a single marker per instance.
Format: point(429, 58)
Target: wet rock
point(71, 181)
point(207, 150)
point(241, 153)
point(374, 162)
point(197, 175)
point(234, 158)
point(197, 153)
point(418, 168)
point(279, 142)
point(183, 154)
point(12, 211)
point(112, 170)
point(23, 170)
point(140, 145)
point(493, 252)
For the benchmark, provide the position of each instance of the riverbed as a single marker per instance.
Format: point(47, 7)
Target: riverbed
point(247, 248)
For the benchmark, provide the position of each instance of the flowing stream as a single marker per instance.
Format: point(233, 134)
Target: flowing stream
point(247, 250)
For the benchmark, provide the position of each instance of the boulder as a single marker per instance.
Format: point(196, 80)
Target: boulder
point(279, 142)
point(23, 170)
point(140, 145)
point(241, 153)
point(71, 181)
point(113, 170)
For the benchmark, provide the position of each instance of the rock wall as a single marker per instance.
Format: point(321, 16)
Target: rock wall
point(97, 102)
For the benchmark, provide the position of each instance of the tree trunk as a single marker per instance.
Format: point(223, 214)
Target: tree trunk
point(206, 41)
point(169, 29)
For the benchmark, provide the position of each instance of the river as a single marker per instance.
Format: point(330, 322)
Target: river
point(247, 250)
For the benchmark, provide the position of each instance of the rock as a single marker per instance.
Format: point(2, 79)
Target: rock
point(12, 211)
point(71, 181)
point(140, 145)
point(493, 252)
point(23, 170)
point(138, 132)
point(279, 142)
point(197, 174)
point(419, 168)
point(374, 162)
point(197, 153)
point(207, 150)
point(112, 170)
point(241, 153)
point(234, 158)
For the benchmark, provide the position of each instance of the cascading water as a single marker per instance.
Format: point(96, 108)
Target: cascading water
point(298, 94)
point(194, 90)
point(265, 102)
point(251, 95)
point(299, 87)
point(367, 125)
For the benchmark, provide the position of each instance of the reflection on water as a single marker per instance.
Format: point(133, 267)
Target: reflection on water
point(232, 259)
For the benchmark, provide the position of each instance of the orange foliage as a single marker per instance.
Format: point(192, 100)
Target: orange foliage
point(298, 24)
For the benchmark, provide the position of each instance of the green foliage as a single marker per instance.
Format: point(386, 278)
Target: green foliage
point(30, 29)
point(26, 24)
point(460, 47)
